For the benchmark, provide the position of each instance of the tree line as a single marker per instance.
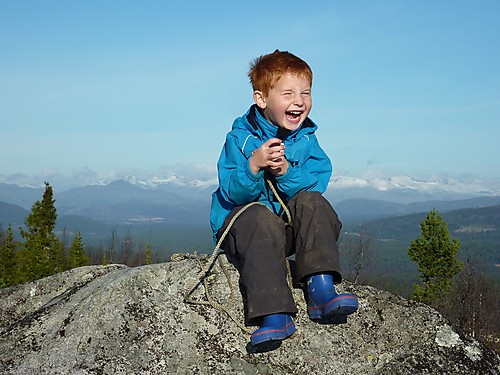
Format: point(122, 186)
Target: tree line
point(41, 253)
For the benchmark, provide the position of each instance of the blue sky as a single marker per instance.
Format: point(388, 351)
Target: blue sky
point(99, 89)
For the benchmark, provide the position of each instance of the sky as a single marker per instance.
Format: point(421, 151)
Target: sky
point(93, 90)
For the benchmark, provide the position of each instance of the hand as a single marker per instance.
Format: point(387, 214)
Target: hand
point(271, 156)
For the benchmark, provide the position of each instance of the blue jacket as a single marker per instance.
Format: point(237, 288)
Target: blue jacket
point(309, 167)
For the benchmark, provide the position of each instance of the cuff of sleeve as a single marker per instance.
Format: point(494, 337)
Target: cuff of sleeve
point(291, 171)
point(254, 177)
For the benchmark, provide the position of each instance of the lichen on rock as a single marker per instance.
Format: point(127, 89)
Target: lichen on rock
point(115, 319)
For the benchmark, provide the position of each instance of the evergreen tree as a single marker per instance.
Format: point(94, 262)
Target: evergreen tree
point(77, 257)
point(148, 256)
point(42, 253)
point(8, 259)
point(436, 256)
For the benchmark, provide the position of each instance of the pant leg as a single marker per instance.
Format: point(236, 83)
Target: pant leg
point(257, 238)
point(314, 235)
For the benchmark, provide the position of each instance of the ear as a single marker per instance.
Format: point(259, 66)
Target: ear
point(259, 99)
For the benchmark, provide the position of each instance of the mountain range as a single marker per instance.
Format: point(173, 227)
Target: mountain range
point(175, 202)
point(179, 199)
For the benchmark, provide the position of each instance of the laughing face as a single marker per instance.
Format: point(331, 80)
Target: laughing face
point(288, 103)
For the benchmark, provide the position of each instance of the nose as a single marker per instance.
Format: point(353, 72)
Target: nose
point(298, 100)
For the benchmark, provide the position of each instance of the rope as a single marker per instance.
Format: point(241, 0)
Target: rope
point(204, 273)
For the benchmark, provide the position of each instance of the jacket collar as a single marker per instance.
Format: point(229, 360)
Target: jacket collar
point(268, 130)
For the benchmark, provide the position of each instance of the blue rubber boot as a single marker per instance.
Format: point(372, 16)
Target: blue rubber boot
point(275, 327)
point(324, 301)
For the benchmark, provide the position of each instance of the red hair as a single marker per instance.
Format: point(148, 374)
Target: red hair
point(266, 70)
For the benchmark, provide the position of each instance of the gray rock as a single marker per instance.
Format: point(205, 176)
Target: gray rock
point(120, 320)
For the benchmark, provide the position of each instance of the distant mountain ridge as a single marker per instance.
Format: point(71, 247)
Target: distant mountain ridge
point(175, 211)
point(395, 183)
point(176, 199)
point(462, 223)
point(363, 210)
point(10, 214)
point(396, 188)
point(409, 183)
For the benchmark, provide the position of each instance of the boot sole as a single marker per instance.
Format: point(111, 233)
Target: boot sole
point(339, 306)
point(273, 334)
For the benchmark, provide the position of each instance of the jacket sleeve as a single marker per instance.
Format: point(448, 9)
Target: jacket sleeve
point(309, 170)
point(237, 183)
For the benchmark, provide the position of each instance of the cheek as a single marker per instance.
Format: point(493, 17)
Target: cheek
point(281, 110)
point(284, 106)
point(277, 108)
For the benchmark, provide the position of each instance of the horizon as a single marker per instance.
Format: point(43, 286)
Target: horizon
point(441, 183)
point(97, 91)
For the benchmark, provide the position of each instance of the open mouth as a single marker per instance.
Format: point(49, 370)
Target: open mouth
point(293, 115)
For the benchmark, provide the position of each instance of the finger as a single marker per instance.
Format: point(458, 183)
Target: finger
point(278, 150)
point(278, 162)
point(277, 154)
point(273, 141)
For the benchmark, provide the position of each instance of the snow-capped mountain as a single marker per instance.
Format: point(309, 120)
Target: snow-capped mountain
point(406, 182)
point(174, 199)
point(338, 183)
point(171, 181)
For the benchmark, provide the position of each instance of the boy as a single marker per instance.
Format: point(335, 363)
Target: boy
point(275, 141)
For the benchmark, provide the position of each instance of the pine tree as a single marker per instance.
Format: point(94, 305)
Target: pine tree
point(8, 259)
point(43, 253)
point(436, 256)
point(148, 256)
point(77, 257)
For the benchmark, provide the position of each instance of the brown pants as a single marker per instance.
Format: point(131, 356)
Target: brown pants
point(261, 242)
